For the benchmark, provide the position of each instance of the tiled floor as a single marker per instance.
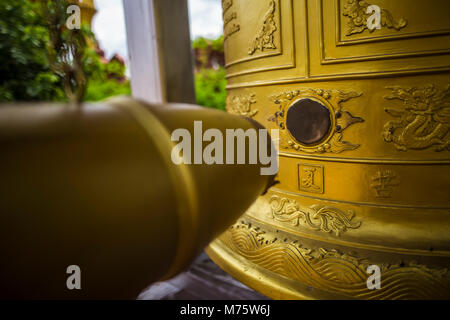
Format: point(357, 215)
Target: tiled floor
point(203, 281)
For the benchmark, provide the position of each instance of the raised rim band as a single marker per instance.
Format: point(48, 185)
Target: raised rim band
point(181, 178)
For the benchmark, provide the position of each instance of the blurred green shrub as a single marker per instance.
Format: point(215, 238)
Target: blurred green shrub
point(210, 88)
point(25, 73)
point(98, 90)
point(104, 79)
point(205, 43)
point(24, 69)
point(210, 79)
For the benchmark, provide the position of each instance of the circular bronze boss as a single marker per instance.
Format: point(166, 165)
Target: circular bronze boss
point(308, 121)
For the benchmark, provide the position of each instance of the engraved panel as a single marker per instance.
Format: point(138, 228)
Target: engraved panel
point(399, 20)
point(372, 184)
point(231, 23)
point(325, 52)
point(266, 41)
point(259, 21)
point(383, 183)
point(265, 38)
point(310, 178)
point(416, 39)
point(316, 217)
point(358, 16)
point(423, 121)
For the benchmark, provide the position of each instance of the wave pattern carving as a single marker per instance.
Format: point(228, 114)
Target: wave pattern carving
point(332, 270)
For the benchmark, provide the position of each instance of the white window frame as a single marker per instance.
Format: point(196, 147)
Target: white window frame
point(160, 55)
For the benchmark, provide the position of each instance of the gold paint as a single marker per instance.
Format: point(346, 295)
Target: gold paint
point(368, 237)
point(252, 15)
point(383, 183)
point(330, 269)
point(310, 178)
point(424, 121)
point(242, 104)
point(355, 11)
point(341, 119)
point(316, 217)
point(226, 4)
point(392, 170)
point(229, 29)
point(227, 19)
point(264, 39)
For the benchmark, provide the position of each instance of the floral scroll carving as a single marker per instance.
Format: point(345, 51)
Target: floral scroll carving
point(265, 38)
point(320, 218)
point(356, 12)
point(242, 104)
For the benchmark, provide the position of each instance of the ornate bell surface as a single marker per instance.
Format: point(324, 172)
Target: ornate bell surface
point(360, 92)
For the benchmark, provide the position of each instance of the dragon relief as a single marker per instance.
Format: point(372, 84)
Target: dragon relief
point(356, 12)
point(242, 104)
point(424, 122)
point(343, 119)
point(320, 218)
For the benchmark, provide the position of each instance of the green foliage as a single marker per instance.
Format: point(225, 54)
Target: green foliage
point(217, 44)
point(115, 69)
point(100, 90)
point(104, 80)
point(209, 83)
point(210, 88)
point(24, 69)
point(31, 38)
point(204, 43)
point(66, 48)
point(200, 43)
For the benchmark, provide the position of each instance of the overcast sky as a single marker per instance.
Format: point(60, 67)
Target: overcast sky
point(109, 23)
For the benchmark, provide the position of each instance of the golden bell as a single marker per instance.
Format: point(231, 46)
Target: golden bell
point(360, 92)
point(94, 186)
